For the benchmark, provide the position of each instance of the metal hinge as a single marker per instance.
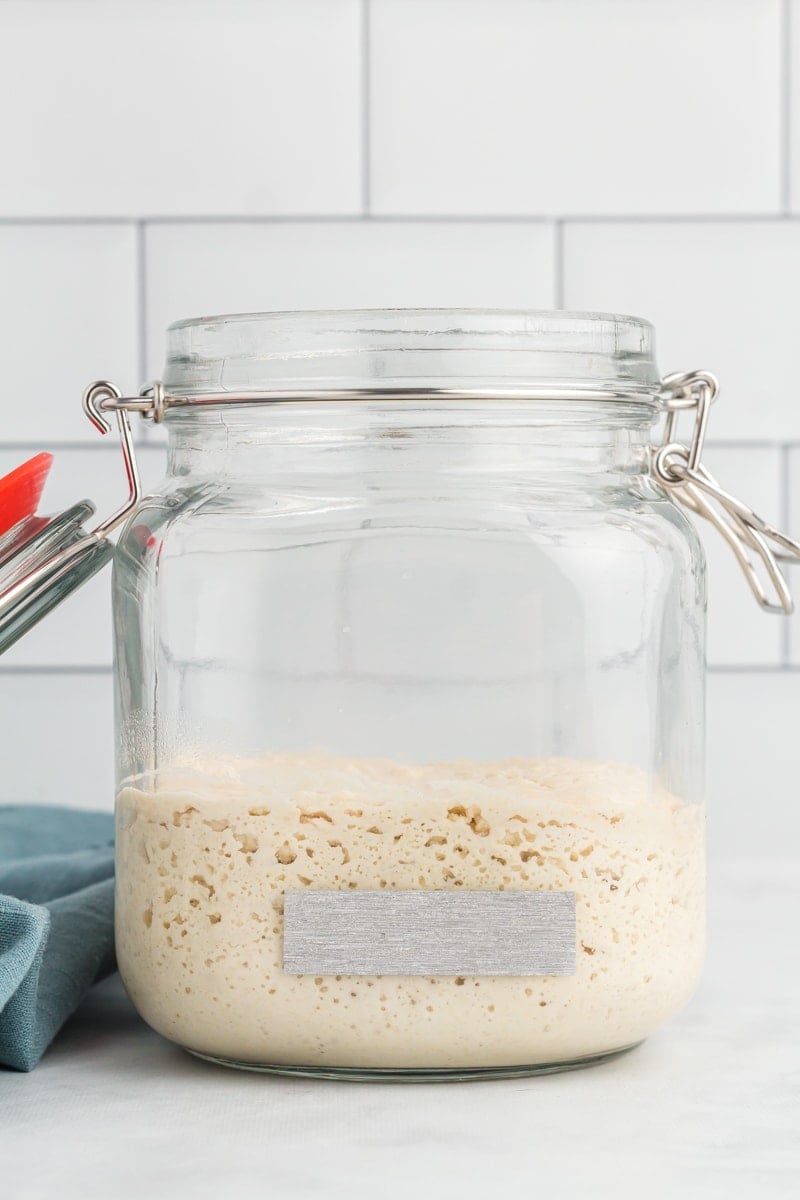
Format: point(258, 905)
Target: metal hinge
point(689, 483)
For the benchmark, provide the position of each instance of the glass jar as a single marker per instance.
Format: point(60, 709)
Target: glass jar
point(409, 692)
point(409, 642)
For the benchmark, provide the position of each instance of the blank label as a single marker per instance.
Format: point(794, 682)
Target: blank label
point(429, 933)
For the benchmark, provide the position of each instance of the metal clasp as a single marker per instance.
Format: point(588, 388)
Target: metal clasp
point(688, 483)
point(678, 468)
point(93, 403)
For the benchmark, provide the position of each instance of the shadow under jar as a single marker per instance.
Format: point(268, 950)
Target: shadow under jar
point(410, 699)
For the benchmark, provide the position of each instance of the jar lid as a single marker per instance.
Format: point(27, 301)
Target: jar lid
point(42, 560)
point(400, 353)
point(411, 351)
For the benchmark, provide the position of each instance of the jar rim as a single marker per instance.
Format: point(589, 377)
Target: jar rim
point(410, 350)
point(558, 316)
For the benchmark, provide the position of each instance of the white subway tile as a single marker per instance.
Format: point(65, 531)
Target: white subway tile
point(196, 268)
point(78, 631)
point(68, 315)
point(739, 632)
point(721, 296)
point(752, 765)
point(190, 107)
point(60, 739)
point(794, 100)
point(577, 107)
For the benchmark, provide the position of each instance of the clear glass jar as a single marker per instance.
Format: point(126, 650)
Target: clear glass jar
point(416, 624)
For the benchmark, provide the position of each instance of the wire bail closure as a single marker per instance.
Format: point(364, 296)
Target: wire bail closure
point(678, 468)
point(690, 485)
point(93, 406)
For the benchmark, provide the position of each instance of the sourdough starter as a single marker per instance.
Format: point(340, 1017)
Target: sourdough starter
point(204, 858)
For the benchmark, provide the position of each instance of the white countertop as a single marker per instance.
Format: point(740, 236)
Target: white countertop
point(708, 1108)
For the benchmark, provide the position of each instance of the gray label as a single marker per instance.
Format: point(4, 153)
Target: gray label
point(429, 933)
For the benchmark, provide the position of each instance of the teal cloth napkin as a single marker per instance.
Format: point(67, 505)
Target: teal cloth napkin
point(56, 921)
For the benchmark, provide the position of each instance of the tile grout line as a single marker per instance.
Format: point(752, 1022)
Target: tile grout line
point(412, 218)
point(558, 263)
point(61, 669)
point(721, 444)
point(107, 669)
point(752, 669)
point(141, 302)
point(60, 219)
point(748, 443)
point(785, 114)
point(366, 111)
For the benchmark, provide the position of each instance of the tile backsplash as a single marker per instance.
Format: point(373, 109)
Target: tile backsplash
point(163, 161)
point(136, 107)
point(576, 107)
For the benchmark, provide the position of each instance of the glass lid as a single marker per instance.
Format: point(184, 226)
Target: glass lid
point(377, 352)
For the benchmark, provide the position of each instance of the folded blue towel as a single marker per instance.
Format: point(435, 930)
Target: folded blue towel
point(56, 921)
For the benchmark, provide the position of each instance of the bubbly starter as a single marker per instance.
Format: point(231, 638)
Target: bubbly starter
point(205, 856)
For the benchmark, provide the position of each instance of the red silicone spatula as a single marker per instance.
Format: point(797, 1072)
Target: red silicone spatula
point(21, 490)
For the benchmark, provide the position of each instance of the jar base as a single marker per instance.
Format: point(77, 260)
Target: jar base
point(417, 1074)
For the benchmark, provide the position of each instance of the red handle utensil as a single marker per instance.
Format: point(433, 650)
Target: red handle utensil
point(21, 490)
